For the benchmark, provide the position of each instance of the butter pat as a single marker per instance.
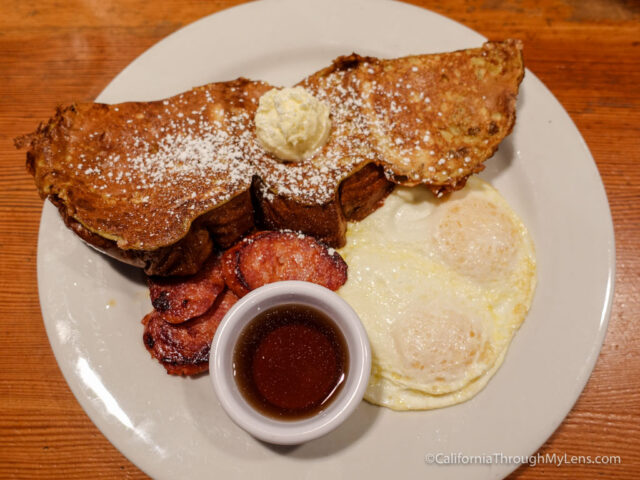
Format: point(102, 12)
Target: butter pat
point(291, 123)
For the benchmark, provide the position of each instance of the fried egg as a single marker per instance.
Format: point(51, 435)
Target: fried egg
point(441, 287)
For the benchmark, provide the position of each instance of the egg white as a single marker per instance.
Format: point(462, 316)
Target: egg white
point(441, 287)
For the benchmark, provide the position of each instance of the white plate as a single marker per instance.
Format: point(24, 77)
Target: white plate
point(174, 427)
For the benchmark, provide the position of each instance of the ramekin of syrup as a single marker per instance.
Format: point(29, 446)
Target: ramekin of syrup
point(290, 362)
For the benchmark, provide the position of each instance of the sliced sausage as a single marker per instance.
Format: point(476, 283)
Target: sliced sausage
point(184, 349)
point(179, 299)
point(271, 256)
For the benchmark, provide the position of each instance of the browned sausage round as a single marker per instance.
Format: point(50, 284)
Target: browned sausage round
point(270, 256)
point(179, 299)
point(184, 349)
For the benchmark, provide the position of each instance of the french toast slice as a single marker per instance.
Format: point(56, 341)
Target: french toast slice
point(156, 184)
point(424, 119)
point(436, 118)
point(161, 184)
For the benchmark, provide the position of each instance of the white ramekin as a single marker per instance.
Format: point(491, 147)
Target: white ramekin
point(289, 432)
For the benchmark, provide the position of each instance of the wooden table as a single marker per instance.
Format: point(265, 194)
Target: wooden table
point(52, 52)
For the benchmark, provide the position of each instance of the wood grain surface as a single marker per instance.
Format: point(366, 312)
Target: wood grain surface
point(54, 52)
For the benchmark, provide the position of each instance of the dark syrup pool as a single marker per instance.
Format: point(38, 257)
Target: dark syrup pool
point(290, 362)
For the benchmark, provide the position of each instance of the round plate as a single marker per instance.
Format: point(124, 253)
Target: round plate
point(174, 427)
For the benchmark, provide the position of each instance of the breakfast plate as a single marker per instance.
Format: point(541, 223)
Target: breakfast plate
point(174, 427)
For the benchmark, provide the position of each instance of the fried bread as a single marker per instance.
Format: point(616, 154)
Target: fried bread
point(436, 118)
point(135, 178)
point(161, 184)
point(423, 119)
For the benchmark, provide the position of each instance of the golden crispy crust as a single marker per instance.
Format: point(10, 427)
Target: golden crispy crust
point(325, 221)
point(181, 258)
point(364, 192)
point(160, 184)
point(437, 118)
point(141, 173)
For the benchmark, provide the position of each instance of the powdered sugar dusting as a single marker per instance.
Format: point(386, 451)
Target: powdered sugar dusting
point(184, 155)
point(316, 180)
point(436, 118)
point(150, 169)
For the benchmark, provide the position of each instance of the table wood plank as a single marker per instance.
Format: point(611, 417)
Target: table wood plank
point(52, 53)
